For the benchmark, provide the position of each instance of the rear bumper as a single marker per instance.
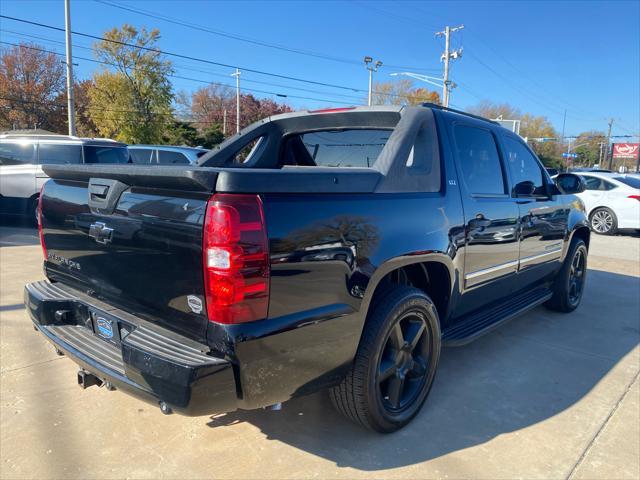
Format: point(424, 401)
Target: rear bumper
point(151, 365)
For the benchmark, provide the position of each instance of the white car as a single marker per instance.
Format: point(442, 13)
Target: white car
point(612, 201)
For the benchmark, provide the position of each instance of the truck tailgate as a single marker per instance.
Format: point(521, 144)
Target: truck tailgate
point(142, 253)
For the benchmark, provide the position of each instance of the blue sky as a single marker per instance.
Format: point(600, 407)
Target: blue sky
point(541, 56)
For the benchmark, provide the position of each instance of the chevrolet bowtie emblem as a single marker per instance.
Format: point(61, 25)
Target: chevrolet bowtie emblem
point(100, 232)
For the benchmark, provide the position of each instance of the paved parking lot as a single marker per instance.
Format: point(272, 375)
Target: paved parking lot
point(546, 396)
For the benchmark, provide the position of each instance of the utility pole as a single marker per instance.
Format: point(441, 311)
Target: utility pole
point(608, 145)
point(367, 63)
point(564, 122)
point(446, 56)
point(224, 122)
point(70, 102)
point(237, 75)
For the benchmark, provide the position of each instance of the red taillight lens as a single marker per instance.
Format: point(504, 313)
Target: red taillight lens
point(40, 234)
point(636, 197)
point(235, 259)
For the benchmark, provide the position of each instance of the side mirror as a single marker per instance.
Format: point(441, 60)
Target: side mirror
point(570, 183)
point(524, 189)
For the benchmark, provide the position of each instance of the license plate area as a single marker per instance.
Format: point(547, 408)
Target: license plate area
point(105, 326)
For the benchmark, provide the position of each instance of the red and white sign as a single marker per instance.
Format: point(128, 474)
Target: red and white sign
point(626, 150)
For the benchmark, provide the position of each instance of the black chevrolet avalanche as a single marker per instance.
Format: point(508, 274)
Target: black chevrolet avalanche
point(333, 249)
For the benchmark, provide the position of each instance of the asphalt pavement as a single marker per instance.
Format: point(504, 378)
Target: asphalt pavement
point(545, 396)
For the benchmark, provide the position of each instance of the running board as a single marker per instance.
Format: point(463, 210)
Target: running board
point(477, 324)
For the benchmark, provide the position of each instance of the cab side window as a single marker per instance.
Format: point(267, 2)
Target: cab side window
point(59, 153)
point(479, 160)
point(525, 169)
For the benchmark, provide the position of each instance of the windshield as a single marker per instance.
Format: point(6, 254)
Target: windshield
point(105, 154)
point(633, 182)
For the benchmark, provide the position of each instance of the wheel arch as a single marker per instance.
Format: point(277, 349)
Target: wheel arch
point(433, 273)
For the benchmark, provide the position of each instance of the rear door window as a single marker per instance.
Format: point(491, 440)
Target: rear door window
point(142, 156)
point(174, 158)
point(59, 153)
point(105, 154)
point(479, 160)
point(17, 153)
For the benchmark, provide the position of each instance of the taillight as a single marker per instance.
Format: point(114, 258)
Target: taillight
point(40, 234)
point(636, 197)
point(236, 259)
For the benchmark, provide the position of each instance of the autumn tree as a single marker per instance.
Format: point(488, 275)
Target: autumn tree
point(402, 92)
point(132, 101)
point(85, 127)
point(492, 110)
point(531, 127)
point(209, 103)
point(30, 82)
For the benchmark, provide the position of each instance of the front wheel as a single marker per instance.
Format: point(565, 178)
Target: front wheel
point(604, 221)
point(569, 284)
point(395, 364)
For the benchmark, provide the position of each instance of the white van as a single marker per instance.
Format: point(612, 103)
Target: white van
point(21, 157)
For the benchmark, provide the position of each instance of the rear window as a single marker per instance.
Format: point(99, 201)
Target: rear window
point(336, 148)
point(59, 153)
point(633, 182)
point(16, 153)
point(105, 154)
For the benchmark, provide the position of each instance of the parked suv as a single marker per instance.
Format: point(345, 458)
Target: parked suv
point(21, 157)
point(165, 154)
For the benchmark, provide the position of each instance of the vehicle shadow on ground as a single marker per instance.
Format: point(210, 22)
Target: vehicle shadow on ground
point(524, 373)
point(16, 231)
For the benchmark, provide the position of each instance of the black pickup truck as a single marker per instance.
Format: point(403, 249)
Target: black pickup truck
point(335, 249)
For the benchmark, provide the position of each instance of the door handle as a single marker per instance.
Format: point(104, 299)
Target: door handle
point(479, 221)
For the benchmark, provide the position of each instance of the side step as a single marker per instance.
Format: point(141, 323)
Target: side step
point(477, 324)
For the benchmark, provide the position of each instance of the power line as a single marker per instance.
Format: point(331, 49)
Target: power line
point(180, 77)
point(240, 38)
point(211, 62)
point(186, 57)
point(181, 66)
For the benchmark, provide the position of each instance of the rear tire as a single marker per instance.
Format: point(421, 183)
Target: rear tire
point(395, 364)
point(570, 281)
point(604, 221)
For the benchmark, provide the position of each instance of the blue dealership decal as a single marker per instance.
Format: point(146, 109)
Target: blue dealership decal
point(105, 327)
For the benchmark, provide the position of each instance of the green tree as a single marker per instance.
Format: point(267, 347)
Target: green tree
point(587, 146)
point(131, 102)
point(211, 136)
point(402, 92)
point(181, 133)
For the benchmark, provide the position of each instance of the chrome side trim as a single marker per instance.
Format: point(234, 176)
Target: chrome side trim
point(556, 253)
point(490, 270)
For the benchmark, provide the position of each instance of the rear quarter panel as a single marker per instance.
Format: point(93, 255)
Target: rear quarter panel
point(327, 255)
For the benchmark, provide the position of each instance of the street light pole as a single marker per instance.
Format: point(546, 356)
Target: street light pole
point(70, 100)
point(367, 63)
point(237, 75)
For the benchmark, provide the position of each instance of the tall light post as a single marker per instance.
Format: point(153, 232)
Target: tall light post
point(368, 61)
point(237, 75)
point(70, 101)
